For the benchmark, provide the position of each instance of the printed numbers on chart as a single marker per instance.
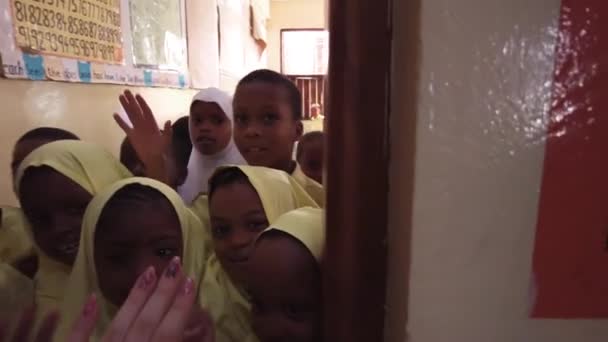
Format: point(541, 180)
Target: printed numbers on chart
point(52, 39)
point(74, 45)
point(45, 18)
point(68, 34)
point(20, 13)
point(60, 18)
point(34, 15)
point(63, 41)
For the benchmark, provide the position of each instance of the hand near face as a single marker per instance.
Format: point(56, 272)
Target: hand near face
point(159, 308)
point(152, 145)
point(200, 327)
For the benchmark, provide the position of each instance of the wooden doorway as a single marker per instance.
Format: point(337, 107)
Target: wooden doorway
point(357, 169)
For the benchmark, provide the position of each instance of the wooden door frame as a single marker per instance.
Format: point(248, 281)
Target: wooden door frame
point(357, 170)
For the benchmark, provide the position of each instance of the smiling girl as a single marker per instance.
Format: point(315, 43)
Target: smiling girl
point(243, 201)
point(55, 184)
point(136, 226)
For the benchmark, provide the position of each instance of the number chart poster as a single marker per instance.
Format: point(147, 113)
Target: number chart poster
point(570, 261)
point(84, 41)
point(80, 29)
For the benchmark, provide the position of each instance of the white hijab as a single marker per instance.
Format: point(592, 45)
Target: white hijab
point(201, 167)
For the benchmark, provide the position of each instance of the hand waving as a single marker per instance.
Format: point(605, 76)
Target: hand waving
point(152, 145)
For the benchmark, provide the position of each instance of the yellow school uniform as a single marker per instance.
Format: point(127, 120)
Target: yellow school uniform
point(227, 302)
point(314, 189)
point(15, 242)
point(83, 280)
point(16, 292)
point(91, 167)
point(200, 208)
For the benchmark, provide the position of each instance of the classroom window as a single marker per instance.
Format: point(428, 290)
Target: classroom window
point(158, 31)
point(304, 52)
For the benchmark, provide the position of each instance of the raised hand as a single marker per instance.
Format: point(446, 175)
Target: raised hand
point(153, 146)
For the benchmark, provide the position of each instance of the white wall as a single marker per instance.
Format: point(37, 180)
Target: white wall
point(482, 98)
point(289, 14)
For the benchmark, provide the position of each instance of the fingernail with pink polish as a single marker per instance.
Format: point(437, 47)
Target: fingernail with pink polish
point(148, 278)
point(188, 287)
point(173, 268)
point(91, 306)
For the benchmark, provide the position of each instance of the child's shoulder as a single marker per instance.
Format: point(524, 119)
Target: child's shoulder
point(314, 189)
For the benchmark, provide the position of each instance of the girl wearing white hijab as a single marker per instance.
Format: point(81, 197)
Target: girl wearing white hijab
point(211, 119)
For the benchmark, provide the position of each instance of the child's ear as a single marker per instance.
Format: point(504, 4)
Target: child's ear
point(299, 130)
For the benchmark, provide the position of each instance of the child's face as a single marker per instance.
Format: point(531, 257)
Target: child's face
point(210, 129)
point(264, 127)
point(129, 158)
point(22, 149)
point(148, 236)
point(54, 205)
point(311, 160)
point(237, 218)
point(285, 288)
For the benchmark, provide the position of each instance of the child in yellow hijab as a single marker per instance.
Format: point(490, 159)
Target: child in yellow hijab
point(284, 278)
point(132, 225)
point(243, 200)
point(267, 124)
point(15, 245)
point(55, 183)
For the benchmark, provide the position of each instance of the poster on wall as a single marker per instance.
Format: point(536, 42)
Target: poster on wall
point(83, 30)
point(89, 41)
point(570, 261)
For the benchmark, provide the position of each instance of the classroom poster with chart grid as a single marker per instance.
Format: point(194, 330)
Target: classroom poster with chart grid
point(134, 42)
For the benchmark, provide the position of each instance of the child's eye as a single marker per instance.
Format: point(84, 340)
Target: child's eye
point(270, 118)
point(166, 252)
point(117, 259)
point(257, 226)
point(240, 119)
point(37, 220)
point(74, 211)
point(220, 232)
point(257, 307)
point(295, 312)
point(217, 121)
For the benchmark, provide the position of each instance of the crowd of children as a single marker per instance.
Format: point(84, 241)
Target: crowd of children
point(204, 230)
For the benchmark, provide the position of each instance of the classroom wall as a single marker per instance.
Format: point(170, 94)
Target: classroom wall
point(83, 109)
point(483, 87)
point(289, 14)
point(87, 109)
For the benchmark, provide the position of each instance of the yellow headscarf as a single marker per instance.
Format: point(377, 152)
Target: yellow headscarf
point(305, 225)
point(314, 189)
point(83, 280)
point(91, 167)
point(15, 242)
point(226, 302)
